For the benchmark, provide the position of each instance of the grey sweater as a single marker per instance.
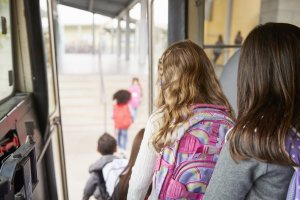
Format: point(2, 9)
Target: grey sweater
point(249, 179)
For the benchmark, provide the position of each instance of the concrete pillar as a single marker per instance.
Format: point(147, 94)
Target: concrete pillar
point(287, 11)
point(112, 32)
point(196, 21)
point(119, 35)
point(228, 28)
point(177, 26)
point(143, 37)
point(93, 34)
point(127, 36)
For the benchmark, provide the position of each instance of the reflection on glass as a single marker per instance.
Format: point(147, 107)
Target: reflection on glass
point(48, 55)
point(160, 34)
point(6, 58)
point(228, 22)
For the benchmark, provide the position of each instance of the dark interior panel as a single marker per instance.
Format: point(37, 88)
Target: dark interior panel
point(17, 113)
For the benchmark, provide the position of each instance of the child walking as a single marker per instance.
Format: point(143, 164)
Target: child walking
point(257, 160)
point(136, 96)
point(186, 133)
point(105, 171)
point(122, 116)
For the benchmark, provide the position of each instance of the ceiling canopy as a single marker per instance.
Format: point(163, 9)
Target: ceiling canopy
point(109, 8)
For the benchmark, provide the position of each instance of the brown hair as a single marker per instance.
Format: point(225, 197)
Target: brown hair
point(122, 96)
point(268, 93)
point(126, 174)
point(187, 77)
point(107, 144)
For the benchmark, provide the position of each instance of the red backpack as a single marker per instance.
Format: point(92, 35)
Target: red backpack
point(122, 116)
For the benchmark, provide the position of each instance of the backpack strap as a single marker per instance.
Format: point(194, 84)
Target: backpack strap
point(210, 106)
point(292, 146)
point(292, 191)
point(162, 162)
point(101, 183)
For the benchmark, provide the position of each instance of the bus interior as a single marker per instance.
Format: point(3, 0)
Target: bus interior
point(59, 71)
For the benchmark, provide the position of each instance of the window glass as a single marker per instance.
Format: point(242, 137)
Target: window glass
point(6, 54)
point(160, 36)
point(228, 22)
point(48, 55)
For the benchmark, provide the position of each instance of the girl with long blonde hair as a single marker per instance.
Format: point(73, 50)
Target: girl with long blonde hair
point(190, 95)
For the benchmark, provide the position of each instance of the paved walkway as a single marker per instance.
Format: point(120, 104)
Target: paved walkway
point(84, 113)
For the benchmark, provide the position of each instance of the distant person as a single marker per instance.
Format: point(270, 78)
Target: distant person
point(257, 160)
point(218, 50)
point(188, 128)
point(120, 192)
point(238, 38)
point(122, 116)
point(105, 171)
point(136, 96)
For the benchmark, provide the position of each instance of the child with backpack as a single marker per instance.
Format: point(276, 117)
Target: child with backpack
point(185, 135)
point(122, 116)
point(257, 160)
point(105, 171)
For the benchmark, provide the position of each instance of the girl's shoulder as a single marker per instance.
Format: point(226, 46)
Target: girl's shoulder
point(156, 115)
point(155, 119)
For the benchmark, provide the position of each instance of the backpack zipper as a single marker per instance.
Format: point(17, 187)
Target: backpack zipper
point(188, 165)
point(224, 122)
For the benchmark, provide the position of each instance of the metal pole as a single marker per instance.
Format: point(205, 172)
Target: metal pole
point(200, 4)
point(93, 34)
point(127, 36)
point(150, 56)
point(228, 27)
point(143, 34)
point(119, 35)
point(102, 87)
point(112, 32)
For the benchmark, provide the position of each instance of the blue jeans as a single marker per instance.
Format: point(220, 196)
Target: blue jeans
point(133, 112)
point(122, 138)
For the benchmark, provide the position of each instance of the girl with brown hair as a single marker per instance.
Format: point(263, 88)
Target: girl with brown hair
point(255, 163)
point(189, 96)
point(120, 192)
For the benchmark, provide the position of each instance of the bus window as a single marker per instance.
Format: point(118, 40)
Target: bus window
point(48, 56)
point(6, 54)
point(159, 35)
point(226, 24)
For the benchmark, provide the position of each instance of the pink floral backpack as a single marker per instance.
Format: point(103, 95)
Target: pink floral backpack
point(183, 170)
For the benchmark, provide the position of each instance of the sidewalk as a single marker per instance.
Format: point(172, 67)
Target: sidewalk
point(84, 116)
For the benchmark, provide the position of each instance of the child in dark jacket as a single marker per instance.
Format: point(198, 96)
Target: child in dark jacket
point(107, 146)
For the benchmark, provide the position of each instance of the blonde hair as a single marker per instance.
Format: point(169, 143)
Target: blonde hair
point(187, 77)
